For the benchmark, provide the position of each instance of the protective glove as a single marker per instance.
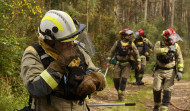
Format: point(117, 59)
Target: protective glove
point(92, 82)
point(147, 53)
point(108, 59)
point(66, 55)
point(172, 48)
point(179, 76)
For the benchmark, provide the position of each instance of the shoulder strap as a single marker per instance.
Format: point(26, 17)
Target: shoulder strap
point(118, 43)
point(39, 49)
point(161, 44)
point(45, 58)
point(135, 41)
point(130, 43)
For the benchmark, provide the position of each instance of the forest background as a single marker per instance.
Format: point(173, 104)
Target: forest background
point(104, 19)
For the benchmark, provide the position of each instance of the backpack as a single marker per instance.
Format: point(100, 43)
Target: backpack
point(123, 50)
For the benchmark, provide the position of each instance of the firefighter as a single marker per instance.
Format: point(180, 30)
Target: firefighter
point(57, 72)
point(121, 54)
point(142, 44)
point(169, 64)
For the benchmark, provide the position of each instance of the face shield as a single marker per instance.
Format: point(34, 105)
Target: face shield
point(137, 35)
point(173, 38)
point(85, 42)
point(83, 39)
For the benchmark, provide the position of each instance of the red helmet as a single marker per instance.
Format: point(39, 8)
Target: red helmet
point(171, 36)
point(126, 32)
point(141, 32)
point(168, 32)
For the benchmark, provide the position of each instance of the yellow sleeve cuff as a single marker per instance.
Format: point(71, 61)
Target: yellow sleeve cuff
point(163, 51)
point(180, 65)
point(49, 79)
point(139, 60)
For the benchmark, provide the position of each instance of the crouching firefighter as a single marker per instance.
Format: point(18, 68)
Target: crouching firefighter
point(121, 52)
point(57, 72)
point(169, 65)
point(144, 47)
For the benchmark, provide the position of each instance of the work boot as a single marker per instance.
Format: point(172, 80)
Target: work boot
point(164, 108)
point(121, 95)
point(139, 81)
point(166, 98)
point(156, 108)
point(135, 83)
point(157, 100)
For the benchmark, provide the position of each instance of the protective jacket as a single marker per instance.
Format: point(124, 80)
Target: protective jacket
point(142, 45)
point(162, 51)
point(124, 51)
point(41, 81)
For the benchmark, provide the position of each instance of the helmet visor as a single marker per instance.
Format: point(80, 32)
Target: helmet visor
point(175, 38)
point(72, 36)
point(129, 32)
point(85, 42)
point(137, 35)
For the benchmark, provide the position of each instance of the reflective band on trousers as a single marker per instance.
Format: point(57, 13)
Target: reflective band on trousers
point(164, 108)
point(49, 79)
point(121, 92)
point(140, 75)
point(157, 104)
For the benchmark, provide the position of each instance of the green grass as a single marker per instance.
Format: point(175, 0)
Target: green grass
point(186, 76)
point(12, 96)
point(140, 98)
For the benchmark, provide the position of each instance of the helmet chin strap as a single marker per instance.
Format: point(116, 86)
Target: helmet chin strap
point(168, 42)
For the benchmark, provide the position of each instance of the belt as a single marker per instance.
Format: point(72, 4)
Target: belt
point(122, 62)
point(165, 68)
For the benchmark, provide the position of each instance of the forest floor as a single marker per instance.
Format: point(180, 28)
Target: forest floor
point(180, 100)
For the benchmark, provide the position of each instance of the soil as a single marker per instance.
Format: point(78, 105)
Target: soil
point(180, 100)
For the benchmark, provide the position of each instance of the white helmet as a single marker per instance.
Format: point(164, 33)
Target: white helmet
point(59, 26)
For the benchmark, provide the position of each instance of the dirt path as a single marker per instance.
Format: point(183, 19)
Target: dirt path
point(180, 96)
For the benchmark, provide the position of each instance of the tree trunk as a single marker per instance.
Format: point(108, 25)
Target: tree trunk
point(173, 13)
point(62, 6)
point(145, 10)
point(87, 7)
point(166, 12)
point(188, 24)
